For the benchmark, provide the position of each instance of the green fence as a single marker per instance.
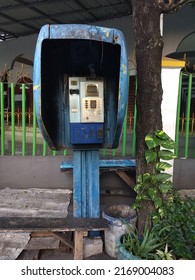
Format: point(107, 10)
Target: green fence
point(185, 120)
point(20, 135)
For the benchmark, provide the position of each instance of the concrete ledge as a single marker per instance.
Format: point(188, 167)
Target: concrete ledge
point(184, 175)
point(36, 172)
point(44, 172)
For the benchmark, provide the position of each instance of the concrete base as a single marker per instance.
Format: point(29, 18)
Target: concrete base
point(92, 246)
point(184, 175)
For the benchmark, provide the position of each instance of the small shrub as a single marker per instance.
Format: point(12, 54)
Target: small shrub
point(179, 220)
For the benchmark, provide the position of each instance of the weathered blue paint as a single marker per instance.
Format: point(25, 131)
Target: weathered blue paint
point(103, 163)
point(86, 184)
point(81, 31)
point(123, 87)
point(44, 34)
point(64, 51)
point(56, 45)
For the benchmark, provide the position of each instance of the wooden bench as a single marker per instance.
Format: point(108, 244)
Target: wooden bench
point(56, 226)
point(118, 165)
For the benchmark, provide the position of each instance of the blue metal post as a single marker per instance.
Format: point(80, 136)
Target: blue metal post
point(86, 184)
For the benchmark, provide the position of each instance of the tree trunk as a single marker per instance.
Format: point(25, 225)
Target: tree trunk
point(149, 46)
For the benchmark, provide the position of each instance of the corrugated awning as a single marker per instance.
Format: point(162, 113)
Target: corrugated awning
point(25, 17)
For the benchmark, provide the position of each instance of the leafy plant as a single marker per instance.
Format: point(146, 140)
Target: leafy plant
point(165, 255)
point(144, 246)
point(156, 185)
point(172, 213)
point(179, 220)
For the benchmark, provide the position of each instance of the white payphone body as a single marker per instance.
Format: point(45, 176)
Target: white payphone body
point(86, 104)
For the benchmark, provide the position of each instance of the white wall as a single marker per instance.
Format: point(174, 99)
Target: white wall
point(170, 84)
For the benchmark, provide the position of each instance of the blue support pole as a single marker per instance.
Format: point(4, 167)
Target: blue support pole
point(86, 194)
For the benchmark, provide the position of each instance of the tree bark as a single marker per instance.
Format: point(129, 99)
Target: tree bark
point(149, 46)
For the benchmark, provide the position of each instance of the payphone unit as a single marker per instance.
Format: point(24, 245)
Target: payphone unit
point(80, 86)
point(81, 92)
point(86, 102)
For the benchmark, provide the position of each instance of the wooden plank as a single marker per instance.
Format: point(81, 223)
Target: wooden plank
point(126, 178)
point(29, 255)
point(39, 243)
point(78, 245)
point(63, 239)
point(41, 234)
point(22, 224)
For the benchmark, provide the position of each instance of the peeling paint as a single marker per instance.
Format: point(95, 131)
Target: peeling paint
point(36, 87)
point(124, 69)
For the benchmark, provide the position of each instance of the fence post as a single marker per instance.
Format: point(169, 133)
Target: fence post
point(23, 120)
point(44, 148)
point(13, 118)
point(34, 146)
point(188, 116)
point(2, 120)
point(134, 123)
point(178, 116)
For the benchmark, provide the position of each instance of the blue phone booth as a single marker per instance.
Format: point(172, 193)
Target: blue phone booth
point(80, 92)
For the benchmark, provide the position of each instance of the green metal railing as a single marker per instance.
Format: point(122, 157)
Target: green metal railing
point(12, 120)
point(15, 124)
point(184, 141)
point(134, 124)
point(2, 120)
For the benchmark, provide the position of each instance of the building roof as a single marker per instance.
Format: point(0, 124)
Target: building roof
point(25, 17)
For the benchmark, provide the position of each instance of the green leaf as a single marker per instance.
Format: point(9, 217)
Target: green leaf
point(153, 193)
point(155, 219)
point(163, 177)
point(150, 156)
point(158, 202)
point(162, 135)
point(139, 179)
point(141, 196)
point(146, 176)
point(151, 141)
point(161, 212)
point(166, 155)
point(161, 166)
point(138, 187)
point(165, 187)
point(143, 177)
point(155, 197)
point(168, 144)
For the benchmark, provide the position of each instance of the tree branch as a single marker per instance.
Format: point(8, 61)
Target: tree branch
point(172, 5)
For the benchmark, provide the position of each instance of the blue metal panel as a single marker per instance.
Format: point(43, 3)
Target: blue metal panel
point(44, 34)
point(123, 86)
point(103, 163)
point(117, 163)
point(86, 133)
point(86, 183)
point(81, 31)
point(108, 45)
